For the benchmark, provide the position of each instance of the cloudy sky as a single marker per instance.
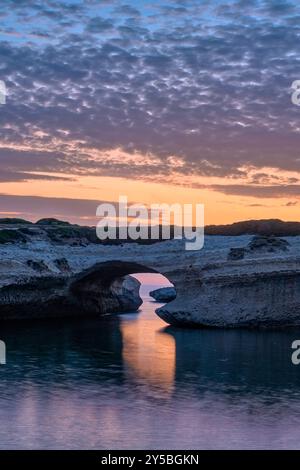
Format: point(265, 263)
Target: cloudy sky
point(163, 101)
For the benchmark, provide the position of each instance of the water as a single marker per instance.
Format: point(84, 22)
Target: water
point(131, 382)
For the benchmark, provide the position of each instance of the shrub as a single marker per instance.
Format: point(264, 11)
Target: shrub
point(11, 236)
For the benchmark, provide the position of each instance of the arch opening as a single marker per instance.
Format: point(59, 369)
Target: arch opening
point(154, 286)
point(114, 286)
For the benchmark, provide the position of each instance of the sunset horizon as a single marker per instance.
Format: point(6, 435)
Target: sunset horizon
point(175, 103)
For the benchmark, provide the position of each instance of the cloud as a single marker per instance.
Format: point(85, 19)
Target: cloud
point(127, 10)
point(7, 176)
point(292, 203)
point(272, 191)
point(207, 83)
point(34, 207)
point(98, 25)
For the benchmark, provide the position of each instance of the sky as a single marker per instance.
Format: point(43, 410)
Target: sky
point(177, 101)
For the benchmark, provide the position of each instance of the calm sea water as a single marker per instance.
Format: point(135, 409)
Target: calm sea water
point(131, 382)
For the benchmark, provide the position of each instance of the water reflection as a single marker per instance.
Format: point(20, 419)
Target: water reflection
point(149, 354)
point(132, 382)
point(229, 360)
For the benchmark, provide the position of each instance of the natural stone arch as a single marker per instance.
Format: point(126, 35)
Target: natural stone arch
point(108, 271)
point(105, 287)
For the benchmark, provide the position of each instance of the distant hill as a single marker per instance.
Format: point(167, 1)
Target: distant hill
point(58, 231)
point(14, 221)
point(51, 221)
point(275, 227)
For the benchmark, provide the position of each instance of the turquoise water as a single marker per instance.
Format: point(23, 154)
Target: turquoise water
point(132, 382)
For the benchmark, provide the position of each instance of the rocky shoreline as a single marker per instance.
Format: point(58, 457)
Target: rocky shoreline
point(235, 281)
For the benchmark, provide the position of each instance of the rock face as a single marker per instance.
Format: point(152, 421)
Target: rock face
point(38, 266)
point(55, 296)
point(62, 264)
point(259, 291)
point(164, 294)
point(259, 244)
point(95, 296)
point(270, 244)
point(236, 253)
point(126, 291)
point(251, 299)
point(258, 286)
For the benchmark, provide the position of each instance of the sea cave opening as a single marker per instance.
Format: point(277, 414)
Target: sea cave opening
point(120, 286)
point(155, 287)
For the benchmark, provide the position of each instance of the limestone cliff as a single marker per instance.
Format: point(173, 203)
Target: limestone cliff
point(258, 288)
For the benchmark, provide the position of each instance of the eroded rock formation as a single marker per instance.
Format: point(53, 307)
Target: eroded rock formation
point(261, 289)
point(164, 294)
point(259, 244)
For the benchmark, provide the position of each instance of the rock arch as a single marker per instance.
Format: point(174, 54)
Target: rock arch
point(105, 287)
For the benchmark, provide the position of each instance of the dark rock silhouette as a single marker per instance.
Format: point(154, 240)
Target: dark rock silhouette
point(164, 294)
point(275, 227)
point(259, 244)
